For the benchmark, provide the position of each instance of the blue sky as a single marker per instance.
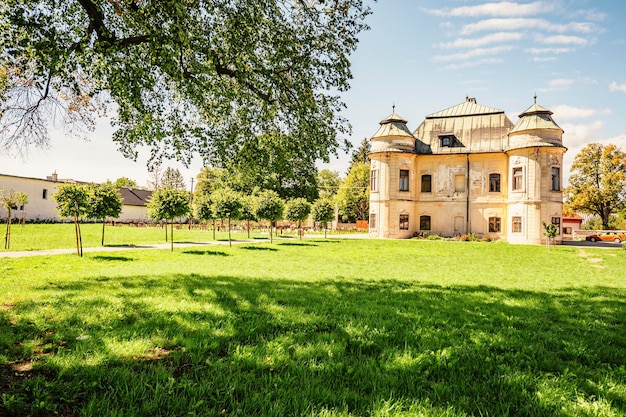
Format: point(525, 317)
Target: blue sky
point(424, 56)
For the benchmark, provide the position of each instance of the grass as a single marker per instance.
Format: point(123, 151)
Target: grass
point(45, 236)
point(318, 328)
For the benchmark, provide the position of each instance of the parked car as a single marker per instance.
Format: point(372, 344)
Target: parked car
point(616, 237)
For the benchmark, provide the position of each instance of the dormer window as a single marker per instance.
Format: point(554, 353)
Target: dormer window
point(448, 140)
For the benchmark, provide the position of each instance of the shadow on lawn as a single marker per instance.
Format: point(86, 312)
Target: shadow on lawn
point(284, 347)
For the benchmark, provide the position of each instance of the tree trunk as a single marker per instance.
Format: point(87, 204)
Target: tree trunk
point(7, 236)
point(102, 242)
point(213, 229)
point(230, 244)
point(76, 233)
point(271, 228)
point(171, 234)
point(80, 239)
point(325, 224)
point(300, 229)
point(248, 225)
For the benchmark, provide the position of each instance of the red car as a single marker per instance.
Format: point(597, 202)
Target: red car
point(616, 237)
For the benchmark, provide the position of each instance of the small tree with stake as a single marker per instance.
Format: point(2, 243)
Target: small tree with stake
point(9, 202)
point(550, 231)
point(104, 201)
point(226, 204)
point(323, 212)
point(72, 201)
point(269, 207)
point(168, 203)
point(297, 210)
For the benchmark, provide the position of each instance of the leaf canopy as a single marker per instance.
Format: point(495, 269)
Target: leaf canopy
point(183, 77)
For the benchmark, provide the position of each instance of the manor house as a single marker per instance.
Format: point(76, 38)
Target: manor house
point(467, 169)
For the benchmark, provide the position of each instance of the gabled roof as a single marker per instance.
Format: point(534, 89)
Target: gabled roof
point(468, 108)
point(134, 197)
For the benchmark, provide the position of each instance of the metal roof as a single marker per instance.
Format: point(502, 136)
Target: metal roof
point(393, 125)
point(468, 108)
point(535, 117)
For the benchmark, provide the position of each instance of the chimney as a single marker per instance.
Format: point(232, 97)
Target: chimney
point(55, 177)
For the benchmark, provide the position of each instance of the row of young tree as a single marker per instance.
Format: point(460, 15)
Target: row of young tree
point(224, 203)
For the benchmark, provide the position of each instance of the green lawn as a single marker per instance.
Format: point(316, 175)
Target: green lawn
point(316, 328)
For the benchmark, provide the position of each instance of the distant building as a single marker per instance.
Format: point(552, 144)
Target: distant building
point(467, 169)
point(41, 206)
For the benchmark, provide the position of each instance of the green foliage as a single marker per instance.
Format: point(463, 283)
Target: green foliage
point(297, 210)
point(598, 181)
point(124, 182)
point(172, 178)
point(226, 204)
point(104, 200)
point(73, 201)
point(167, 204)
point(10, 201)
point(328, 183)
point(185, 77)
point(360, 155)
point(269, 206)
point(268, 330)
point(323, 212)
point(353, 197)
point(274, 162)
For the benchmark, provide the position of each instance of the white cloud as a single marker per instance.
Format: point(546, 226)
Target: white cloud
point(524, 23)
point(485, 40)
point(544, 59)
point(563, 40)
point(558, 84)
point(565, 112)
point(503, 8)
point(617, 87)
point(577, 135)
point(540, 51)
point(474, 53)
point(474, 63)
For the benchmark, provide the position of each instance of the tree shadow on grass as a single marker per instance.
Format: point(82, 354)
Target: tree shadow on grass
point(111, 258)
point(259, 248)
point(296, 244)
point(210, 345)
point(205, 252)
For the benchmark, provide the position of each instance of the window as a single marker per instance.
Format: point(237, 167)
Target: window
point(446, 141)
point(424, 222)
point(557, 221)
point(372, 221)
point(44, 195)
point(517, 179)
point(427, 180)
point(556, 179)
point(374, 180)
point(494, 225)
point(404, 180)
point(567, 230)
point(494, 183)
point(404, 222)
point(459, 183)
point(517, 225)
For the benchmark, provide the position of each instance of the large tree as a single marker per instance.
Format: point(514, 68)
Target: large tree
point(598, 181)
point(184, 77)
point(353, 198)
point(328, 183)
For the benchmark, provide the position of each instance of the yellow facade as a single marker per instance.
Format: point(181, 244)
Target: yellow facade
point(467, 169)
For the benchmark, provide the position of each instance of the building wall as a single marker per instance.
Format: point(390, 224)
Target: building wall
point(40, 204)
point(42, 207)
